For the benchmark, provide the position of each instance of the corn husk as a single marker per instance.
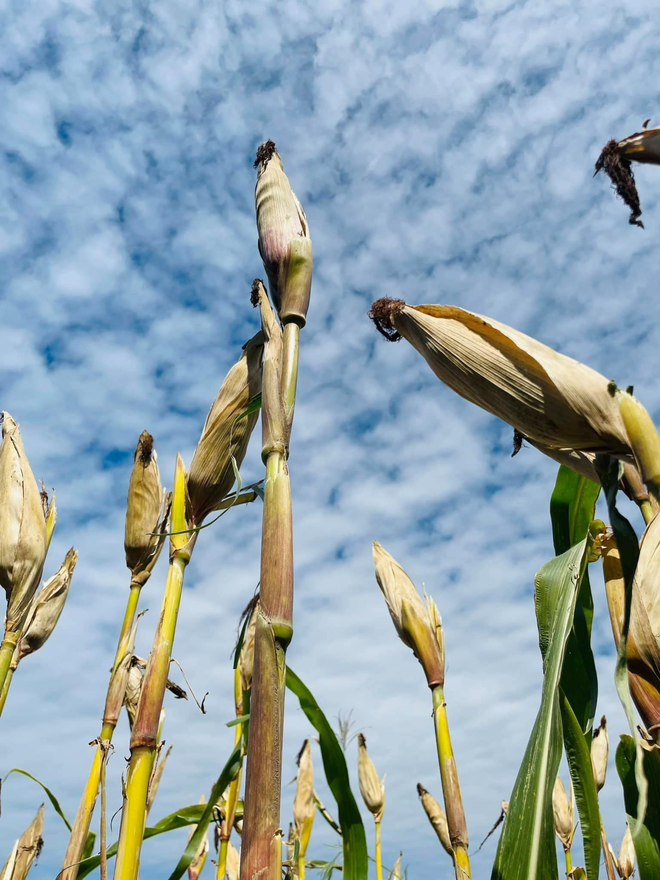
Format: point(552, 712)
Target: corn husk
point(562, 811)
point(226, 434)
point(644, 438)
point(372, 788)
point(395, 873)
point(304, 807)
point(551, 399)
point(642, 146)
point(133, 688)
point(46, 608)
point(600, 748)
point(643, 652)
point(233, 862)
point(132, 692)
point(25, 851)
point(199, 859)
point(144, 509)
point(284, 243)
point(246, 656)
point(417, 626)
point(625, 861)
point(23, 542)
point(437, 818)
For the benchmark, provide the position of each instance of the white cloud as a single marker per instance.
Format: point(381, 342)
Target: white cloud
point(442, 156)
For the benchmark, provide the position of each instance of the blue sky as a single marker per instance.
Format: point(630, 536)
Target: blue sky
point(443, 154)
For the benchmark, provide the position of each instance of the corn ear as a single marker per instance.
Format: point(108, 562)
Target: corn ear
point(625, 862)
point(437, 818)
point(372, 787)
point(417, 626)
point(304, 806)
point(226, 434)
point(600, 748)
point(144, 510)
point(562, 810)
point(22, 526)
point(551, 399)
point(284, 243)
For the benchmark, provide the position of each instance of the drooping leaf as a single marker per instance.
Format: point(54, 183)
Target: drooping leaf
point(526, 849)
point(608, 470)
point(646, 835)
point(51, 797)
point(356, 861)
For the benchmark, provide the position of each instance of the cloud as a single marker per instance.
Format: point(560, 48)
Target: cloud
point(442, 155)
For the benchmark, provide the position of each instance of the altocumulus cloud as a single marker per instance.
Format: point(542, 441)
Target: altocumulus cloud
point(442, 155)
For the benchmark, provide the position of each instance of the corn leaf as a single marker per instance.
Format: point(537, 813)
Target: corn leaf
point(51, 797)
point(196, 814)
point(609, 472)
point(526, 849)
point(572, 509)
point(228, 773)
point(646, 835)
point(178, 819)
point(354, 842)
point(578, 754)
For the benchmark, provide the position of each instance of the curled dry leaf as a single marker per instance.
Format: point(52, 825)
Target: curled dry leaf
point(46, 608)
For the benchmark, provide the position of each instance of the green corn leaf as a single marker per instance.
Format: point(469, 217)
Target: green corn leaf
point(91, 836)
point(572, 509)
point(228, 773)
point(51, 797)
point(196, 814)
point(646, 835)
point(609, 472)
point(179, 819)
point(578, 754)
point(354, 841)
point(526, 849)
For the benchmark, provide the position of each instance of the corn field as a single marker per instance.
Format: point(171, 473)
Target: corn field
point(550, 824)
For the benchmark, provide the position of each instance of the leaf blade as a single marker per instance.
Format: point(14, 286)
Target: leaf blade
point(354, 841)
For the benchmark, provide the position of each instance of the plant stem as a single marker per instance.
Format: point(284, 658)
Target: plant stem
point(6, 653)
point(569, 865)
point(5, 689)
point(85, 812)
point(144, 736)
point(647, 511)
point(232, 794)
point(451, 789)
point(379, 862)
point(133, 814)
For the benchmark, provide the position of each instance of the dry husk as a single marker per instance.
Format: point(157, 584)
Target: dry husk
point(225, 434)
point(551, 399)
point(22, 526)
point(46, 608)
